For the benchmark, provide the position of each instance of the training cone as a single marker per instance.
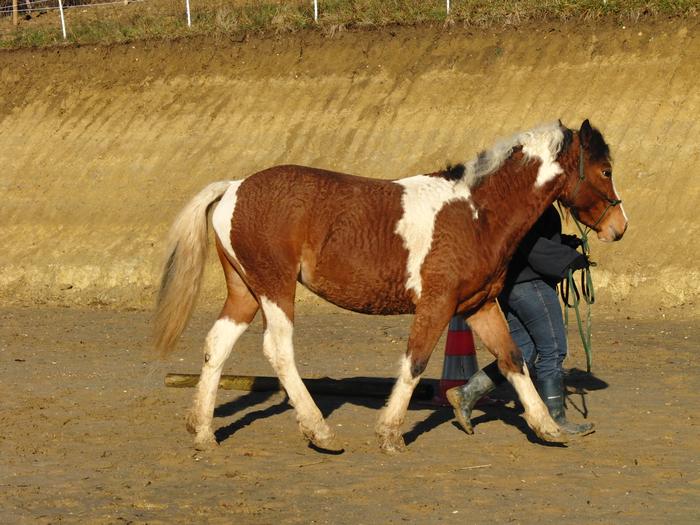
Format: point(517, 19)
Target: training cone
point(460, 358)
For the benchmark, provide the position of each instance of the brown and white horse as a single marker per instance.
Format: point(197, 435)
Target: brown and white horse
point(430, 245)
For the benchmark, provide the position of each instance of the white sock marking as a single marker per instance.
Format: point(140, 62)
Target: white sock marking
point(219, 343)
point(532, 402)
point(396, 406)
point(279, 349)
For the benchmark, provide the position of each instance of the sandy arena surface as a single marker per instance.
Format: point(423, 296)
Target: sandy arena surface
point(91, 435)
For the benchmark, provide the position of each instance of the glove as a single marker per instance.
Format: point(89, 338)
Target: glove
point(571, 241)
point(580, 262)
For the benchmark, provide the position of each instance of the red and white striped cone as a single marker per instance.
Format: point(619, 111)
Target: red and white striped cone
point(460, 358)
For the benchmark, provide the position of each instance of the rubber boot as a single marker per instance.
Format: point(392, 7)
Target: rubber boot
point(552, 393)
point(464, 397)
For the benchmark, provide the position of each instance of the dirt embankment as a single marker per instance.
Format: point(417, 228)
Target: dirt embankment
point(101, 146)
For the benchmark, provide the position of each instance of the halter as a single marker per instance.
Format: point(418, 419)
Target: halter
point(582, 178)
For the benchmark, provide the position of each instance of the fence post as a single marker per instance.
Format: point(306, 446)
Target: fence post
point(187, 8)
point(315, 10)
point(447, 7)
point(63, 19)
point(15, 7)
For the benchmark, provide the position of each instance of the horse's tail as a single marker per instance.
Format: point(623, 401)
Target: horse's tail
point(184, 267)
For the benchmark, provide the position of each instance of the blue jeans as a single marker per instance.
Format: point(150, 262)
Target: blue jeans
point(535, 320)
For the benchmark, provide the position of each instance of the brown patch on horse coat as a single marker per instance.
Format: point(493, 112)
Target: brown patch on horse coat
point(333, 232)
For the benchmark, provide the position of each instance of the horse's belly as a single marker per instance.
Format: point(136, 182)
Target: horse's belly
point(364, 299)
point(374, 288)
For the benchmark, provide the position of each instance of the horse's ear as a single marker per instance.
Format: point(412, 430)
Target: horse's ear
point(585, 132)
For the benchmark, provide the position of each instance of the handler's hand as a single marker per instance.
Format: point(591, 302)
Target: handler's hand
point(571, 241)
point(580, 262)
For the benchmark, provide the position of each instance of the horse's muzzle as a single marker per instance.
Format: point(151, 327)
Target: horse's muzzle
point(610, 233)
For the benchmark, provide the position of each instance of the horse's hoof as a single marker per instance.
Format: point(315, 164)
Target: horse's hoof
point(392, 443)
point(550, 435)
point(392, 447)
point(205, 441)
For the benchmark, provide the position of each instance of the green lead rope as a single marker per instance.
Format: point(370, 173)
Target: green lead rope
point(568, 285)
point(571, 295)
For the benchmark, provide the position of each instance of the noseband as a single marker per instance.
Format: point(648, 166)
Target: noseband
point(582, 178)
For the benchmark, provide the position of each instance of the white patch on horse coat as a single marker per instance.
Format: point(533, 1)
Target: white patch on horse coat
point(617, 196)
point(397, 404)
point(279, 350)
point(222, 216)
point(544, 144)
point(423, 197)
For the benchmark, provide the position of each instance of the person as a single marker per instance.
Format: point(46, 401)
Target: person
point(530, 304)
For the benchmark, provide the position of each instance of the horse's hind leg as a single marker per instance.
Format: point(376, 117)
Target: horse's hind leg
point(491, 327)
point(238, 312)
point(278, 348)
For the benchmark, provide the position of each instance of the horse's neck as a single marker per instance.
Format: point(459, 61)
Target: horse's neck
point(513, 203)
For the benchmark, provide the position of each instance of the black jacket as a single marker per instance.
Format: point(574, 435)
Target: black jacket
point(541, 254)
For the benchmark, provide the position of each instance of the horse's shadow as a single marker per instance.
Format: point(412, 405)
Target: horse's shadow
point(328, 404)
point(578, 384)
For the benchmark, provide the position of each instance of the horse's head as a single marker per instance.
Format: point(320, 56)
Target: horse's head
point(589, 191)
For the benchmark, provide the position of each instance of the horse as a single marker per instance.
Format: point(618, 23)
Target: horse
point(431, 245)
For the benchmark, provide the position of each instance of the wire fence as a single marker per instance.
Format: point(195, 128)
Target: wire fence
point(26, 8)
point(37, 22)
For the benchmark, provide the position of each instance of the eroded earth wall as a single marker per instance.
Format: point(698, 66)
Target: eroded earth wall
point(100, 147)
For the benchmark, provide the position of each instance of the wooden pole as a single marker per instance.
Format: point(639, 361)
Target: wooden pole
point(15, 9)
point(352, 386)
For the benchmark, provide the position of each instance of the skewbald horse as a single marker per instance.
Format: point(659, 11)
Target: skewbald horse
point(430, 245)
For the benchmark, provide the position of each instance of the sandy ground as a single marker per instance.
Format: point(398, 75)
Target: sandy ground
point(90, 434)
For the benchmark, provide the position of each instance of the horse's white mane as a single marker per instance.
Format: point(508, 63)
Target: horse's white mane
point(540, 142)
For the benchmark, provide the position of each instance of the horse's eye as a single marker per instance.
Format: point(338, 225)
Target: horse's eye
point(607, 173)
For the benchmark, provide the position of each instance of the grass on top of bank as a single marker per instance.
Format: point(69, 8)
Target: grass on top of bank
point(88, 23)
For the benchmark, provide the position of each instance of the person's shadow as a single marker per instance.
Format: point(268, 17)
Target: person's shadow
point(578, 383)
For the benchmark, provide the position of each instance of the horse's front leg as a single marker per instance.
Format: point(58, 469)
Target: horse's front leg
point(428, 324)
point(492, 328)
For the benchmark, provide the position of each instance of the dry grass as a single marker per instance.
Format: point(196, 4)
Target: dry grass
point(165, 19)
